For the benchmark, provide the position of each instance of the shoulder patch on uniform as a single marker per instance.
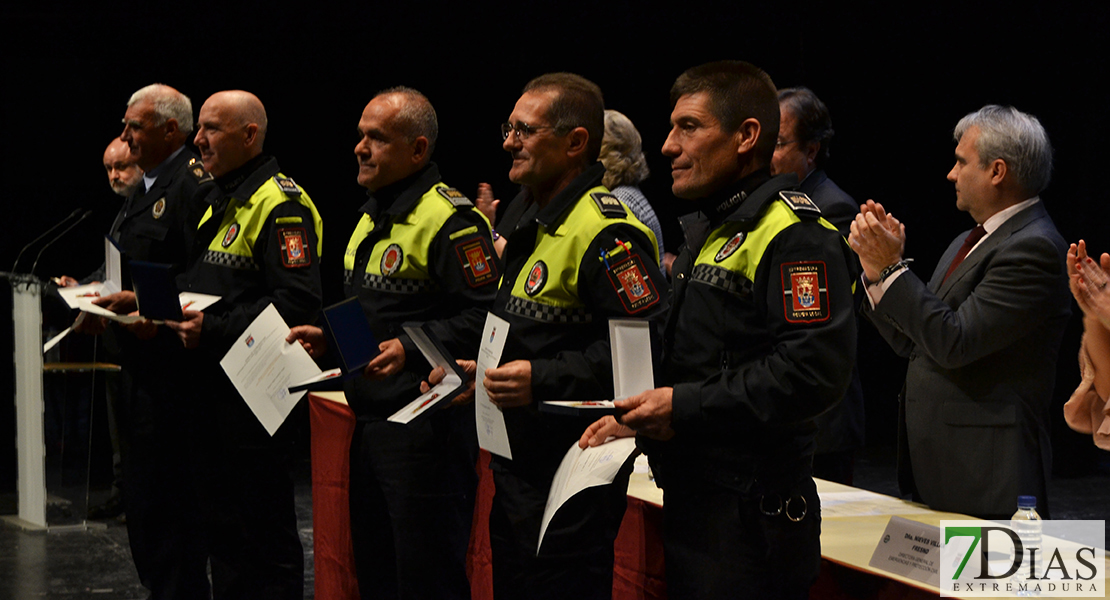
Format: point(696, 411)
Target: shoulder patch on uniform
point(477, 262)
point(800, 203)
point(632, 284)
point(805, 295)
point(294, 247)
point(730, 246)
point(287, 185)
point(455, 197)
point(285, 220)
point(609, 205)
point(537, 276)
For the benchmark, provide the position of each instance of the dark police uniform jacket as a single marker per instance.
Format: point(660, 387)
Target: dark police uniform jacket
point(761, 337)
point(420, 252)
point(156, 225)
point(258, 242)
point(558, 296)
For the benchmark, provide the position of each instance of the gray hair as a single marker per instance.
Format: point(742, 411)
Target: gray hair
point(168, 104)
point(1015, 137)
point(622, 152)
point(417, 116)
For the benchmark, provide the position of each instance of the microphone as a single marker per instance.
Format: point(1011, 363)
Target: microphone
point(75, 212)
point(56, 238)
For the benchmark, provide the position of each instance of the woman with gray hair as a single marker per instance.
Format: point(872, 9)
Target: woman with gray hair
point(625, 167)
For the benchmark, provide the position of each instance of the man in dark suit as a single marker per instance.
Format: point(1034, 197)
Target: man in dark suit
point(982, 336)
point(802, 148)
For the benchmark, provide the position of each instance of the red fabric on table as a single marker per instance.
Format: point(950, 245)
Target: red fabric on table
point(332, 425)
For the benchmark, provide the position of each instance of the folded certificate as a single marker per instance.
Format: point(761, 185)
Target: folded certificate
point(187, 300)
point(452, 385)
point(630, 348)
point(349, 340)
point(493, 436)
point(113, 278)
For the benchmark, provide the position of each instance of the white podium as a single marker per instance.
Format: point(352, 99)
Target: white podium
point(30, 443)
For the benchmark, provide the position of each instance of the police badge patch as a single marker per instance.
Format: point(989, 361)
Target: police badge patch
point(455, 197)
point(730, 246)
point(632, 284)
point(805, 297)
point(287, 185)
point(159, 208)
point(475, 260)
point(392, 259)
point(294, 247)
point(229, 237)
point(537, 276)
point(799, 202)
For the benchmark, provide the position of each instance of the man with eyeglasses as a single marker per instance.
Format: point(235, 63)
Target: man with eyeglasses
point(805, 130)
point(420, 251)
point(579, 261)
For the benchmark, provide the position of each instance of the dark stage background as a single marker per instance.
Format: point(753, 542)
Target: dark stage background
point(896, 76)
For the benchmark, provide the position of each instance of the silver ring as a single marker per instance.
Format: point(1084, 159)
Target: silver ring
point(805, 508)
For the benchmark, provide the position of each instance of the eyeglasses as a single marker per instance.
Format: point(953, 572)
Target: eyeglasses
point(784, 143)
point(523, 130)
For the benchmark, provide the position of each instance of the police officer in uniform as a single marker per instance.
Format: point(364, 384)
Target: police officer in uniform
point(761, 339)
point(258, 243)
point(156, 224)
point(581, 260)
point(420, 251)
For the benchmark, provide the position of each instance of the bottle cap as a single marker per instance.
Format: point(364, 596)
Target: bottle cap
point(1027, 502)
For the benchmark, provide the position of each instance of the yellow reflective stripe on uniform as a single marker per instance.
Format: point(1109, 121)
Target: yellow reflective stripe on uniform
point(247, 219)
point(412, 235)
point(745, 258)
point(462, 232)
point(284, 220)
point(562, 252)
point(364, 227)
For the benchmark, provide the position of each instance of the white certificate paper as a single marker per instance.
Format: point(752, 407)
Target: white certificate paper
point(113, 279)
point(261, 366)
point(189, 301)
point(492, 435)
point(582, 469)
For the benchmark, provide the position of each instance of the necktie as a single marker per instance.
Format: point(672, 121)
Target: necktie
point(969, 243)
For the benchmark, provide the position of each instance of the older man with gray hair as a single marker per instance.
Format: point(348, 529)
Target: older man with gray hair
point(982, 336)
point(156, 224)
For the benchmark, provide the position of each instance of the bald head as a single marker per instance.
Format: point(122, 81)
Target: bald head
point(123, 174)
point(231, 128)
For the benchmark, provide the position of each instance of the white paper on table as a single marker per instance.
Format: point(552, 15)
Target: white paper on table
point(261, 366)
point(583, 469)
point(492, 435)
point(428, 400)
point(862, 503)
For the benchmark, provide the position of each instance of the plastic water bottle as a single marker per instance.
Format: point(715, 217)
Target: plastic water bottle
point(1027, 525)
